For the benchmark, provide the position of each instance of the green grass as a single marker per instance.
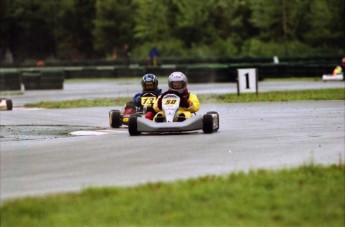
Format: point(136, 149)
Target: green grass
point(81, 103)
point(278, 96)
point(294, 79)
point(10, 93)
point(310, 195)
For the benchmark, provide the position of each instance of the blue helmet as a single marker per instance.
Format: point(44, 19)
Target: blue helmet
point(149, 82)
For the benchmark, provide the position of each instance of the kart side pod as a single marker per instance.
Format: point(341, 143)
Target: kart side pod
point(209, 123)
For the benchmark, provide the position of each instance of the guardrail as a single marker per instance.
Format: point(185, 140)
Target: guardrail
point(10, 80)
point(32, 79)
point(53, 77)
point(334, 60)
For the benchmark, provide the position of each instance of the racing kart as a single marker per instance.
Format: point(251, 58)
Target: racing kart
point(117, 118)
point(170, 123)
point(6, 104)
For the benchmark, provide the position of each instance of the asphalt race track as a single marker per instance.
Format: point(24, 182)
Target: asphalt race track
point(39, 155)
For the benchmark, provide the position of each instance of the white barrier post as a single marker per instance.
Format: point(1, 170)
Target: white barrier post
point(247, 81)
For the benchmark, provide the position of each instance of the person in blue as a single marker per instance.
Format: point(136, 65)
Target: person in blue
point(154, 54)
point(149, 83)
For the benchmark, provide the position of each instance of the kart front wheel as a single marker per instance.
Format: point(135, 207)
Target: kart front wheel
point(207, 123)
point(115, 118)
point(215, 116)
point(133, 126)
point(210, 122)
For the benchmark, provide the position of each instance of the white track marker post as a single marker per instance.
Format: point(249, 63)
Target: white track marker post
point(247, 81)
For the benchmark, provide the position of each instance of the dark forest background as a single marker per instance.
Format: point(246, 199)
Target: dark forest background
point(99, 29)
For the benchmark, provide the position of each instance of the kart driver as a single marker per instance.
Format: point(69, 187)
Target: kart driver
point(149, 84)
point(189, 102)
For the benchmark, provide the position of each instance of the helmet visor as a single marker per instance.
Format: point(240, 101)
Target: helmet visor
point(149, 86)
point(177, 84)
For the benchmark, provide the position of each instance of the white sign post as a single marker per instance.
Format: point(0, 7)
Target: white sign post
point(247, 81)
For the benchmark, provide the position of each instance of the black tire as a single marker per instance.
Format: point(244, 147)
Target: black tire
point(207, 123)
point(9, 104)
point(133, 126)
point(215, 113)
point(115, 118)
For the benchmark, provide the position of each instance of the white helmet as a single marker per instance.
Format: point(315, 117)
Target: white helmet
point(177, 82)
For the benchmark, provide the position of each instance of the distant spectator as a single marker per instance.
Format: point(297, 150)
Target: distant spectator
point(337, 70)
point(154, 54)
point(40, 63)
point(1, 55)
point(114, 55)
point(126, 54)
point(8, 56)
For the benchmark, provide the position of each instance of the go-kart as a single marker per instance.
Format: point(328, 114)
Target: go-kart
point(170, 121)
point(117, 118)
point(6, 104)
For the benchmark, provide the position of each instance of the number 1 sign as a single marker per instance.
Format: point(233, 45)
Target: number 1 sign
point(247, 80)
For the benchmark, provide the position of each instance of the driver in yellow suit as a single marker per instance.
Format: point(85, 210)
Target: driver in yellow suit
point(337, 70)
point(189, 102)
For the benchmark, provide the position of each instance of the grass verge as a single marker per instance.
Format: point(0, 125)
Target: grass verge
point(277, 96)
point(310, 195)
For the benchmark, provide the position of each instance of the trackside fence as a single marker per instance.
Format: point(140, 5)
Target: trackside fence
point(52, 75)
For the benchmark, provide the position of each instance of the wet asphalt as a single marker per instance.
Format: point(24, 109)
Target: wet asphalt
point(40, 156)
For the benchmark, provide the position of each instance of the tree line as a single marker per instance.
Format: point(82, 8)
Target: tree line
point(99, 29)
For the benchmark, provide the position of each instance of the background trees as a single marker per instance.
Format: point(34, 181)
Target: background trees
point(87, 29)
point(113, 26)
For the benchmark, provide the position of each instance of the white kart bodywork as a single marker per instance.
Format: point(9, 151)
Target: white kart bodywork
point(191, 124)
point(170, 104)
point(333, 77)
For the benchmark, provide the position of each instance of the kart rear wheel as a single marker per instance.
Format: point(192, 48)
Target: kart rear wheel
point(9, 104)
point(133, 126)
point(115, 118)
point(207, 123)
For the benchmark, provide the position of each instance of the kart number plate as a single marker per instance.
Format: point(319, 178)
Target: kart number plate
point(148, 101)
point(171, 102)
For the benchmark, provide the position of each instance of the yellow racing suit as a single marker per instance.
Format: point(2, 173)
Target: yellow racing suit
point(194, 106)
